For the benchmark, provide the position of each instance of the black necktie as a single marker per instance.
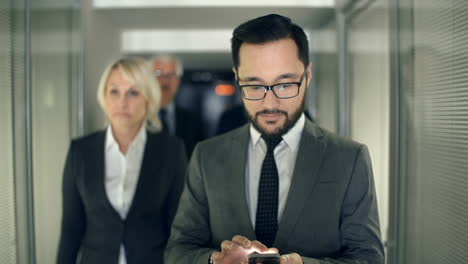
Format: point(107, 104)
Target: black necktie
point(163, 118)
point(266, 221)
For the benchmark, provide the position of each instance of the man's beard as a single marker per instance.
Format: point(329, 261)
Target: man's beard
point(290, 120)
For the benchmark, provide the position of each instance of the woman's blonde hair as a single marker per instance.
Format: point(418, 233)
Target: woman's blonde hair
point(139, 72)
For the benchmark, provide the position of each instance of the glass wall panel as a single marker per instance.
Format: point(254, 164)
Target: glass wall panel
point(434, 74)
point(325, 65)
point(20, 115)
point(369, 80)
point(7, 198)
point(54, 78)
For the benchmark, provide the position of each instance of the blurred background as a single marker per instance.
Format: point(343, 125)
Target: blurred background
point(392, 74)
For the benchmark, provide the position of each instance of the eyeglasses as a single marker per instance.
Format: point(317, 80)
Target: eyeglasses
point(160, 74)
point(280, 90)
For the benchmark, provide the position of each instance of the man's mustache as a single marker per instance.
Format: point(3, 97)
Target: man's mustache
point(271, 111)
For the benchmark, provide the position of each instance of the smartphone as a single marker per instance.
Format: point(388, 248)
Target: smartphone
point(258, 258)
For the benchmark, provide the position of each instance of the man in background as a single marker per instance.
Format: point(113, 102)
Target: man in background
point(177, 121)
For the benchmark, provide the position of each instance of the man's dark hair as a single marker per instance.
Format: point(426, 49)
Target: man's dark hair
point(267, 29)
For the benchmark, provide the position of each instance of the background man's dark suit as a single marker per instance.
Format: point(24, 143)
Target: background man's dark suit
point(189, 128)
point(330, 214)
point(232, 118)
point(92, 224)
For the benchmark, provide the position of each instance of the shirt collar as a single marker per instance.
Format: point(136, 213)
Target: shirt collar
point(170, 108)
point(139, 140)
point(292, 137)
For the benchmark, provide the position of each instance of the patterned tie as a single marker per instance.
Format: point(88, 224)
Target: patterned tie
point(266, 222)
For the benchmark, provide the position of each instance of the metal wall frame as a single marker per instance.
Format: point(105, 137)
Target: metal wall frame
point(345, 11)
point(22, 121)
point(401, 20)
point(77, 112)
point(22, 161)
point(394, 133)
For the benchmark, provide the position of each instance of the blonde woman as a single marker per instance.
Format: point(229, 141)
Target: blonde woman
point(121, 186)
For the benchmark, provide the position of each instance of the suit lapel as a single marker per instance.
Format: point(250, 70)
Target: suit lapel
point(235, 183)
point(95, 174)
point(305, 176)
point(151, 162)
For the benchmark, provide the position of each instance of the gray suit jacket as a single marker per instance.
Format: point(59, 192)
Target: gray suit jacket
point(330, 214)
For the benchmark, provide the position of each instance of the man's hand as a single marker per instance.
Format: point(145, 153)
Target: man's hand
point(292, 258)
point(237, 250)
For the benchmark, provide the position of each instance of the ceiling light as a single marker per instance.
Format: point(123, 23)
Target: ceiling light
point(149, 41)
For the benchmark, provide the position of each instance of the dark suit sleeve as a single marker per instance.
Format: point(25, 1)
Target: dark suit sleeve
point(180, 165)
point(190, 234)
point(360, 228)
point(73, 215)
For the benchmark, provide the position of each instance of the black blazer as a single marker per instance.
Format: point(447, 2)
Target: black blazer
point(232, 118)
point(92, 230)
point(189, 127)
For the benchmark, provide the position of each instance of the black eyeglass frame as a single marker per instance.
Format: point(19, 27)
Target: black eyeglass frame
point(270, 88)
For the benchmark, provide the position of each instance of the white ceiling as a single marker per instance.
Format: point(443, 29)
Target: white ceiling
point(143, 27)
point(208, 17)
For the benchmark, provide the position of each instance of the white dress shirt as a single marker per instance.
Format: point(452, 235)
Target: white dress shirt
point(285, 158)
point(122, 172)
